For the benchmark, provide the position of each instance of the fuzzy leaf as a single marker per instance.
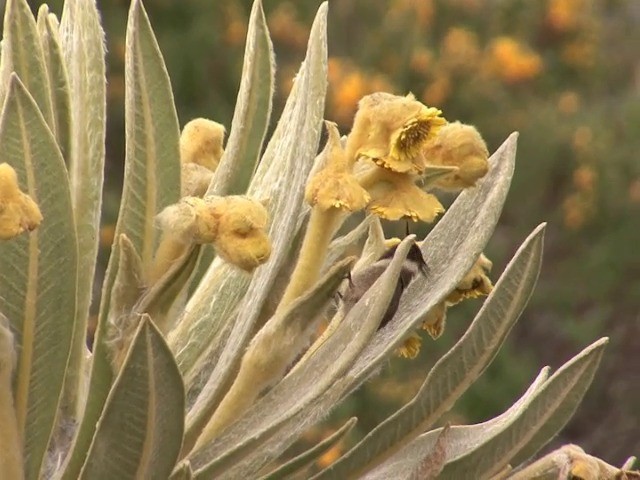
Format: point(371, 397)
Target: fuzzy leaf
point(140, 431)
point(37, 273)
point(253, 109)
point(58, 78)
point(456, 370)
point(22, 54)
point(151, 182)
point(271, 351)
point(81, 116)
point(276, 420)
point(308, 456)
point(460, 439)
point(209, 321)
point(548, 411)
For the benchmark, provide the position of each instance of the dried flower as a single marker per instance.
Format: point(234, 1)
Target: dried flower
point(201, 143)
point(411, 347)
point(458, 145)
point(333, 185)
point(391, 131)
point(475, 283)
point(18, 212)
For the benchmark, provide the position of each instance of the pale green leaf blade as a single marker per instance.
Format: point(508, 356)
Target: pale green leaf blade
point(279, 179)
point(252, 112)
point(456, 370)
point(277, 419)
point(58, 77)
point(460, 440)
point(81, 43)
point(151, 182)
point(312, 454)
point(547, 412)
point(22, 54)
point(273, 349)
point(140, 431)
point(37, 272)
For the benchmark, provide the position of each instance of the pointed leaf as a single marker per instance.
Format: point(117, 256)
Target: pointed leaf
point(253, 109)
point(212, 309)
point(547, 412)
point(37, 273)
point(140, 431)
point(278, 418)
point(152, 181)
point(22, 54)
point(456, 370)
point(460, 439)
point(58, 78)
point(82, 43)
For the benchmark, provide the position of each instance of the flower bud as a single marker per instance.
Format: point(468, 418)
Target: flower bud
point(18, 212)
point(461, 146)
point(201, 143)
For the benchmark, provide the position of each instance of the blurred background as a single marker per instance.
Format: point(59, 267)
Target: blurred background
point(564, 73)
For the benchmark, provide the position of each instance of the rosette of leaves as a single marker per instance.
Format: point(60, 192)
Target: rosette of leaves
point(165, 355)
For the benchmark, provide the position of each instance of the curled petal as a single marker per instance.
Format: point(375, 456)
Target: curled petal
point(332, 189)
point(405, 200)
point(411, 347)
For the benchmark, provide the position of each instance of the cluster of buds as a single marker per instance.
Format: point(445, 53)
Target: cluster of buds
point(18, 212)
point(235, 225)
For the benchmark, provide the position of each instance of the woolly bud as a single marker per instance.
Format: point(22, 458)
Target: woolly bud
point(461, 146)
point(201, 143)
point(18, 212)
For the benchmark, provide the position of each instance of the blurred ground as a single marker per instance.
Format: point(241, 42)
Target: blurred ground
point(564, 73)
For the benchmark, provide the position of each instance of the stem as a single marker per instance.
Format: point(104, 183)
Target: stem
point(10, 443)
point(322, 225)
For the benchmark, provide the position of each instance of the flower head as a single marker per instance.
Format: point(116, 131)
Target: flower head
point(333, 185)
point(475, 283)
point(235, 225)
point(461, 146)
point(391, 131)
point(201, 143)
point(396, 196)
point(18, 212)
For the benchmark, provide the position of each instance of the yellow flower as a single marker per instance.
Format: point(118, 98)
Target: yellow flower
point(512, 61)
point(396, 196)
point(391, 131)
point(235, 225)
point(18, 211)
point(461, 146)
point(333, 185)
point(411, 347)
point(435, 320)
point(475, 283)
point(201, 143)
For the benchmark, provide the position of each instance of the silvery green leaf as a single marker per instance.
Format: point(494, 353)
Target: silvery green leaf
point(81, 117)
point(450, 251)
point(58, 78)
point(456, 370)
point(37, 273)
point(460, 439)
point(151, 182)
point(139, 433)
point(277, 419)
point(432, 463)
point(547, 412)
point(252, 112)
point(273, 349)
point(307, 457)
point(22, 54)
point(280, 179)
